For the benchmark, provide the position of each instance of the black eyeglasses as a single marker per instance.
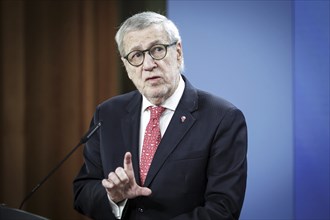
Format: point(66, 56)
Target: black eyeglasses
point(157, 52)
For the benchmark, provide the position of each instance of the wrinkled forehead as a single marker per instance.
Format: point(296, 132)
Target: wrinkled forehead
point(145, 38)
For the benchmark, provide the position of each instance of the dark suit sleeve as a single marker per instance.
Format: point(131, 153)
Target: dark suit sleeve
point(226, 172)
point(90, 197)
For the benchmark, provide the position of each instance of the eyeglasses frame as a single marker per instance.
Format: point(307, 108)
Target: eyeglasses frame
point(148, 50)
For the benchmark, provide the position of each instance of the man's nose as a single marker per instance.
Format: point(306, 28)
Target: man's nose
point(149, 62)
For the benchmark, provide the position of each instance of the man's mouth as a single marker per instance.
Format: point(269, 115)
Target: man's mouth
point(153, 78)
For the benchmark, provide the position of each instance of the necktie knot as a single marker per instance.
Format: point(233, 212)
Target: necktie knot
point(156, 111)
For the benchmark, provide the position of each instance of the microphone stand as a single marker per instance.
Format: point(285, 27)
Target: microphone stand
point(83, 140)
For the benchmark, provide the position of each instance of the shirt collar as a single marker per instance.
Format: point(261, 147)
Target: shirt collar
point(172, 102)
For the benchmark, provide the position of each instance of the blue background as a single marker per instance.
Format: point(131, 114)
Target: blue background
point(271, 59)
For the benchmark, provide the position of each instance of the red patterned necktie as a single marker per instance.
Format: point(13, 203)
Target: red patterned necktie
point(152, 138)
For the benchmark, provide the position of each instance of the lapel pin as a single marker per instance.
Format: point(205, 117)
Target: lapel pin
point(183, 118)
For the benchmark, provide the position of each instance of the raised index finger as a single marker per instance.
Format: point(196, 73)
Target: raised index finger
point(128, 166)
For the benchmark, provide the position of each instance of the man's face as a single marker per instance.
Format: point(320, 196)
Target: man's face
point(155, 79)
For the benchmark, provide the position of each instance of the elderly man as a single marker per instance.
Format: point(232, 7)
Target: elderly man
point(167, 150)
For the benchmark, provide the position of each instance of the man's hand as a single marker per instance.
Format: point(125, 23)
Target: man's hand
point(121, 184)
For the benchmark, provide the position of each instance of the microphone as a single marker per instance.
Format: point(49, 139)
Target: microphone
point(83, 140)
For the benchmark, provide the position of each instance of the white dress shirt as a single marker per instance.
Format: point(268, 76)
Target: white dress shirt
point(170, 104)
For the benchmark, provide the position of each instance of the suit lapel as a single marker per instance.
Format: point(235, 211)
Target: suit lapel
point(130, 125)
point(180, 124)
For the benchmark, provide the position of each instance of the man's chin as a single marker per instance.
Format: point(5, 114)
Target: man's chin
point(155, 95)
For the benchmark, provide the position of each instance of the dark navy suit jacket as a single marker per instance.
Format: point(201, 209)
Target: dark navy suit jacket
point(198, 172)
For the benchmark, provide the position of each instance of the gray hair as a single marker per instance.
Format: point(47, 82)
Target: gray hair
point(143, 20)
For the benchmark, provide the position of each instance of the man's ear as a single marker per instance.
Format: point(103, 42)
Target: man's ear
point(179, 51)
point(125, 62)
point(123, 59)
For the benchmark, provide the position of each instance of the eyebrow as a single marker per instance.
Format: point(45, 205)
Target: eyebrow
point(150, 45)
